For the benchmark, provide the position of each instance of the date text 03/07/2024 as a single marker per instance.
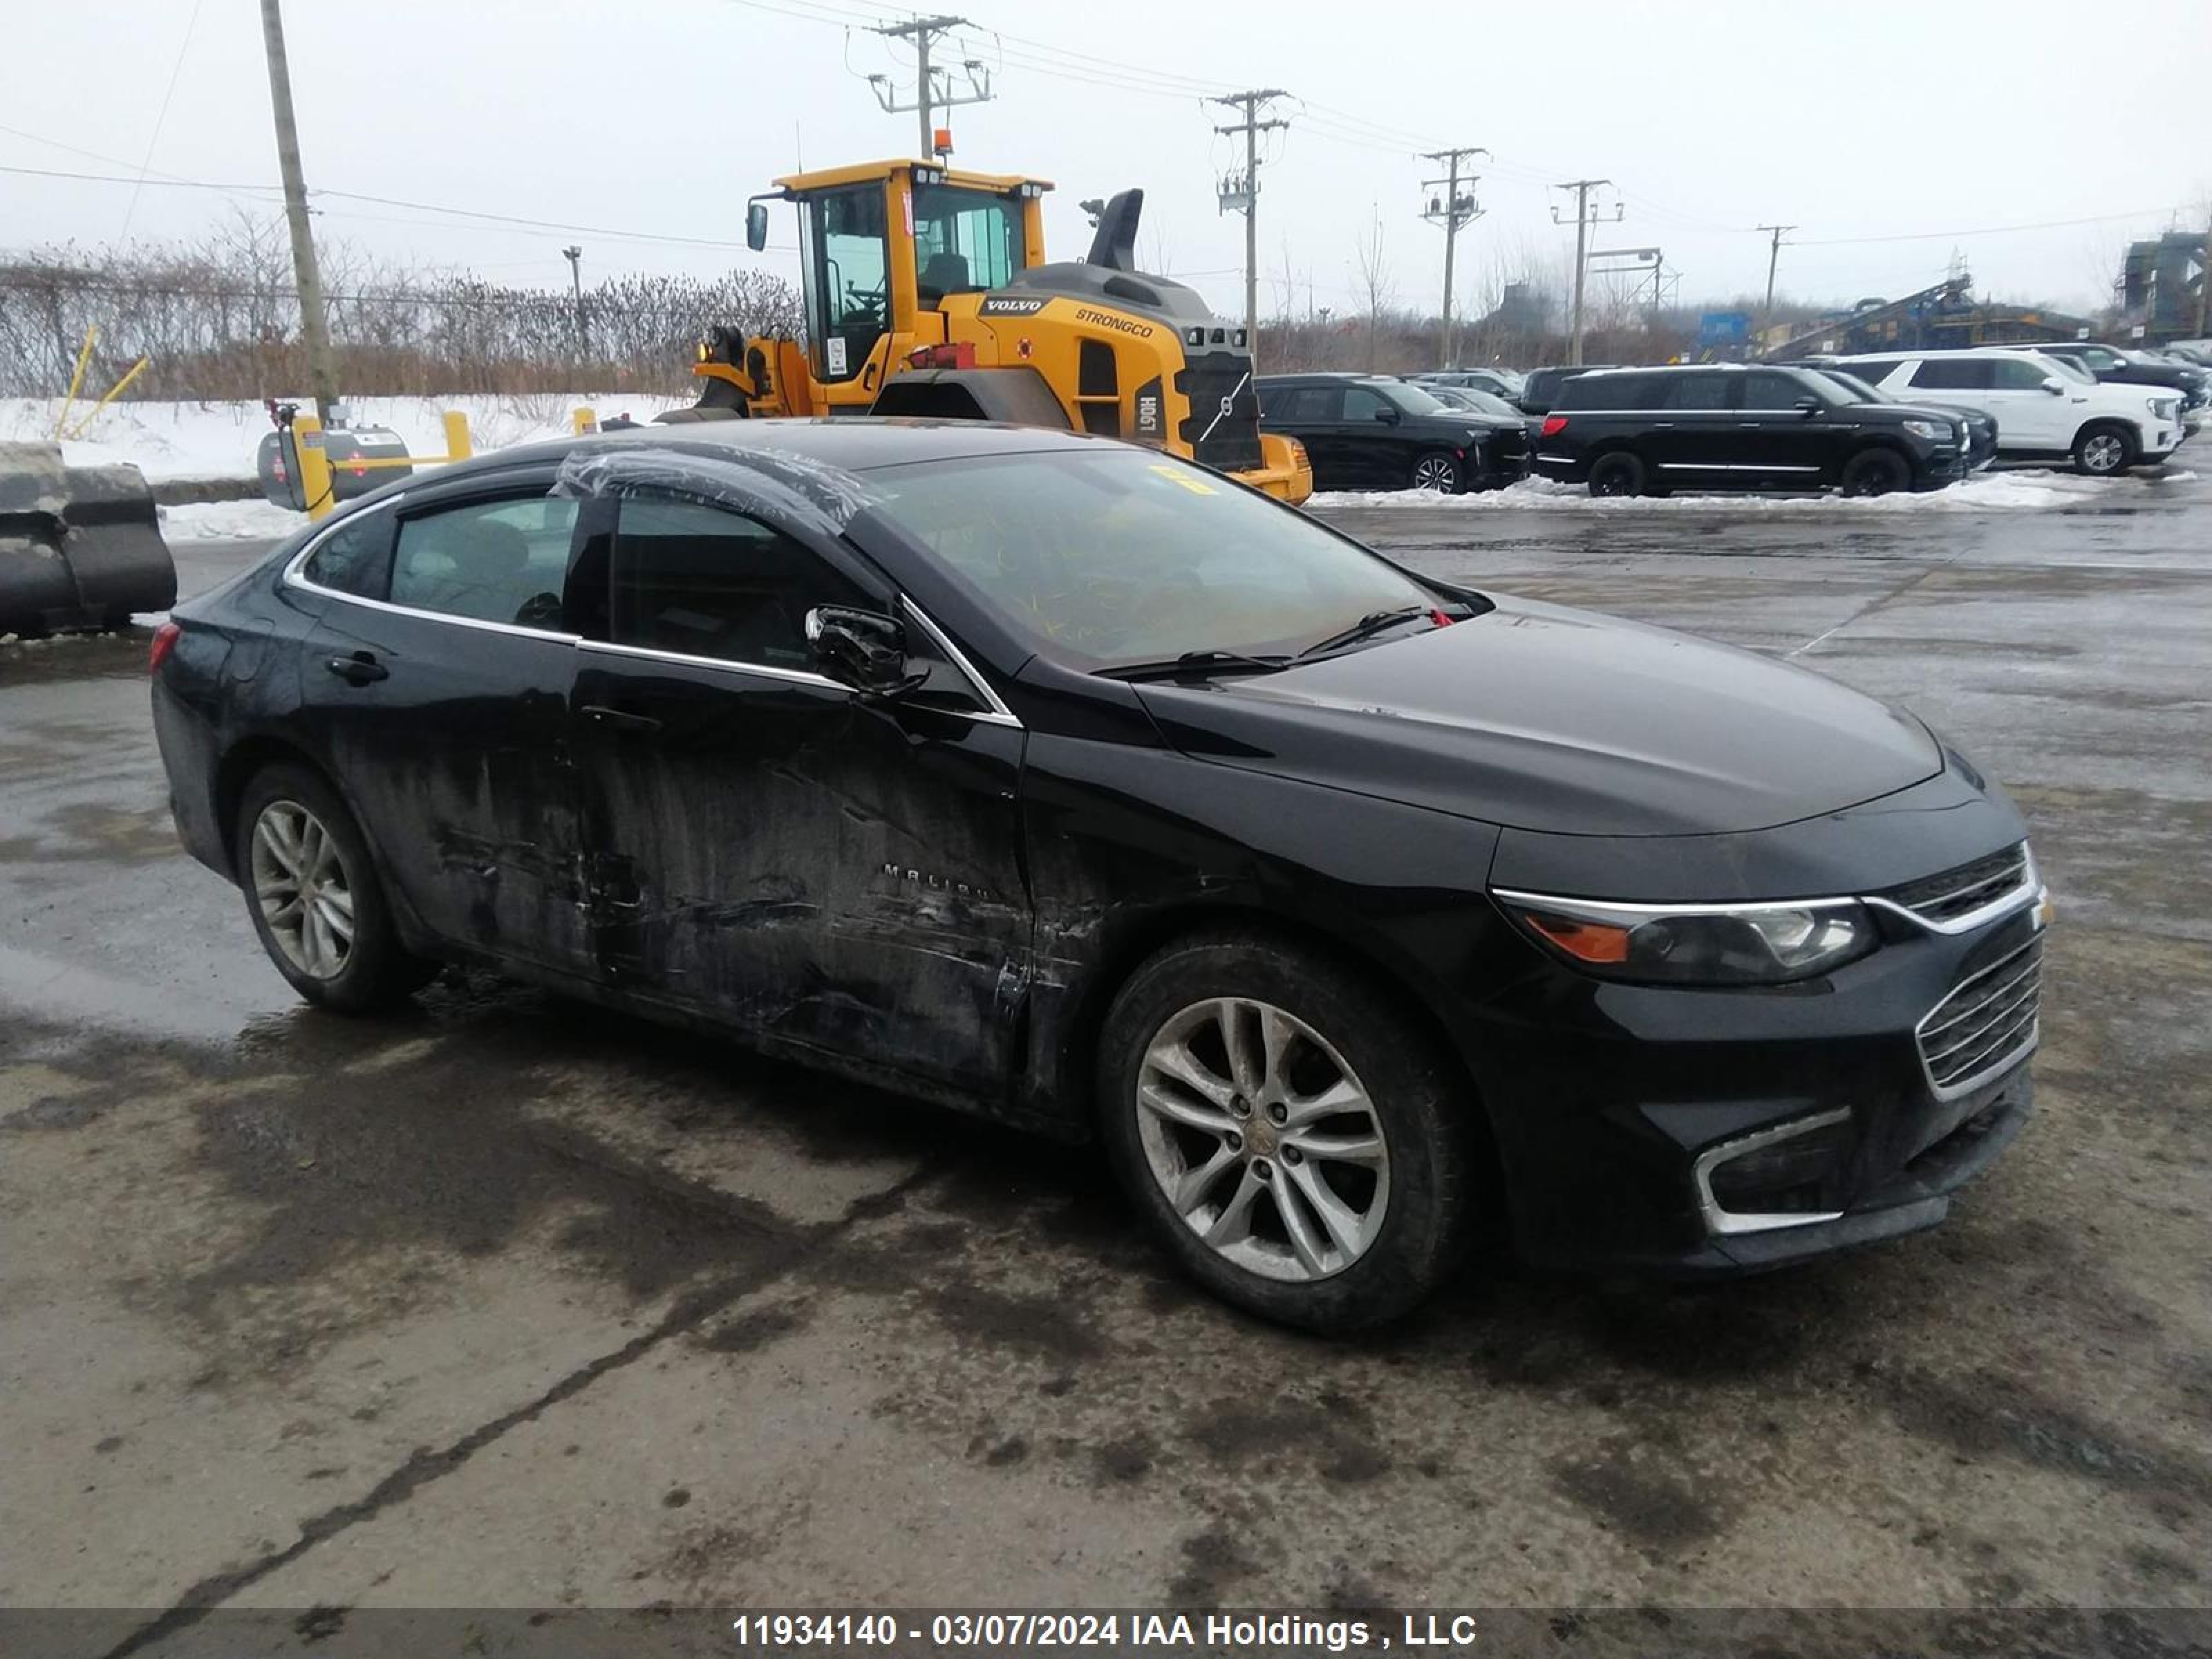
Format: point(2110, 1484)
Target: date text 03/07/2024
point(1258, 1631)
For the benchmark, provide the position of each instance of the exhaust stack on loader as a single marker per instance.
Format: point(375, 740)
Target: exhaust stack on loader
point(80, 546)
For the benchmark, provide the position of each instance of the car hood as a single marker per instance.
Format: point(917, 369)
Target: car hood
point(1537, 717)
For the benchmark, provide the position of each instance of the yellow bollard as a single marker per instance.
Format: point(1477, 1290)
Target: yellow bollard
point(77, 380)
point(457, 447)
point(317, 487)
point(113, 393)
point(584, 422)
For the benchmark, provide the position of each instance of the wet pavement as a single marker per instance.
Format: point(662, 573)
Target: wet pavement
point(508, 1302)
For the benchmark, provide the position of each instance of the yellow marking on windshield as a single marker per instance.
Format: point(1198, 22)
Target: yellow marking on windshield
point(1177, 475)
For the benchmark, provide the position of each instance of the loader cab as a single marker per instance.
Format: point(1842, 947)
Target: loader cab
point(881, 246)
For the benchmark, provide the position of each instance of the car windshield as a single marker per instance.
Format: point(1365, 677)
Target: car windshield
point(1489, 403)
point(1109, 556)
point(2065, 366)
point(1411, 399)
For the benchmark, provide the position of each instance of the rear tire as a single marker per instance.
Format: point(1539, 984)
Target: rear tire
point(315, 896)
point(2103, 449)
point(1438, 471)
point(1318, 1173)
point(1619, 473)
point(1876, 472)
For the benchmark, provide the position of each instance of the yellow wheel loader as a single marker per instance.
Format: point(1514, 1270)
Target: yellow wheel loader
point(927, 293)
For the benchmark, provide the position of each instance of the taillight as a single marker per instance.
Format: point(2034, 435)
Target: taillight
point(1553, 425)
point(165, 640)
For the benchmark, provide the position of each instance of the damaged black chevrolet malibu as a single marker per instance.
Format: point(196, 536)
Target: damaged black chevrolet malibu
point(1058, 780)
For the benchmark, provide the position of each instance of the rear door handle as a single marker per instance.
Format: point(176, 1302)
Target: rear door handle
point(619, 720)
point(359, 669)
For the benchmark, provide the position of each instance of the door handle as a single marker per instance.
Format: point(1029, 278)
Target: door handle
point(359, 669)
point(619, 720)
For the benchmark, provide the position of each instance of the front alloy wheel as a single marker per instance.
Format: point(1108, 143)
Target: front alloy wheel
point(1439, 473)
point(1263, 1140)
point(304, 889)
point(2103, 454)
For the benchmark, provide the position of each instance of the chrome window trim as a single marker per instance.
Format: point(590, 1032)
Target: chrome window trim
point(1725, 1222)
point(654, 653)
point(998, 713)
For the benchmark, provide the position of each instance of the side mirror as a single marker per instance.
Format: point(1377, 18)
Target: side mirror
point(1386, 415)
point(2054, 385)
point(863, 649)
point(757, 226)
point(1808, 407)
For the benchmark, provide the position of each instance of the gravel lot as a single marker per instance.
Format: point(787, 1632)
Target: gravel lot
point(512, 1303)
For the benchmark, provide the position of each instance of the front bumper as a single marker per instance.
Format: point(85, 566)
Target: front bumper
point(1611, 1103)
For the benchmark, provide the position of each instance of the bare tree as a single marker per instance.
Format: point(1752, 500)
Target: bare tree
point(1377, 289)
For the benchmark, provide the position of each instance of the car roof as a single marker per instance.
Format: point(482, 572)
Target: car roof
point(854, 444)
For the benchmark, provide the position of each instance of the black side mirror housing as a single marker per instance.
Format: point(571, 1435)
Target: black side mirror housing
point(1808, 407)
point(864, 650)
point(1386, 415)
point(757, 226)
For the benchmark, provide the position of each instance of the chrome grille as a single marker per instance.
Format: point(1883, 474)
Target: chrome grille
point(1961, 891)
point(1985, 1026)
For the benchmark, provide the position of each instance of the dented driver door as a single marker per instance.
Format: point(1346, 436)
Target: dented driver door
point(772, 850)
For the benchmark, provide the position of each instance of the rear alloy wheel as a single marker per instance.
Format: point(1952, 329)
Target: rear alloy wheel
point(1876, 472)
point(1297, 1147)
point(1617, 474)
point(1439, 471)
point(313, 893)
point(2102, 451)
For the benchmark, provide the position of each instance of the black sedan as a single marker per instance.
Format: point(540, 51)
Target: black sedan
point(1352, 913)
point(1378, 432)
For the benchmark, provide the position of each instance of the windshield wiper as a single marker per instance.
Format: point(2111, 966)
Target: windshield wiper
point(1195, 662)
point(1369, 625)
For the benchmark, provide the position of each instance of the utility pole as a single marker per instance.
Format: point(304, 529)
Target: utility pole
point(314, 327)
point(1585, 217)
point(928, 96)
point(575, 256)
point(1451, 211)
point(1773, 258)
point(1244, 195)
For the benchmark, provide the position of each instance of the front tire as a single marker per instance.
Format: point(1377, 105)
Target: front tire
point(1876, 472)
point(314, 896)
point(1438, 471)
point(2103, 449)
point(1299, 1147)
point(1619, 474)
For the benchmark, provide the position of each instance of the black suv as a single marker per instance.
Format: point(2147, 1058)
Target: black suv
point(1539, 387)
point(2133, 369)
point(1377, 432)
point(1644, 431)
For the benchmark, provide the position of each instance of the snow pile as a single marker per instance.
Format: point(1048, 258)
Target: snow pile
point(222, 521)
point(218, 440)
point(2033, 489)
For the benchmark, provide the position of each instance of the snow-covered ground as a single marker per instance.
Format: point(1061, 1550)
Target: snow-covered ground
point(2027, 491)
point(218, 440)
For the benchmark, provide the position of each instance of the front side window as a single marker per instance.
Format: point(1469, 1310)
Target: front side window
point(702, 581)
point(2018, 375)
point(1113, 556)
point(1874, 371)
point(1363, 402)
point(1769, 389)
point(848, 284)
point(964, 241)
point(496, 561)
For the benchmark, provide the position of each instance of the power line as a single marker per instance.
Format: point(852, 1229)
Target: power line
point(928, 94)
point(160, 119)
point(1452, 211)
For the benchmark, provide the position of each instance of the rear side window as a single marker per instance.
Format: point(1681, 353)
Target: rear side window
point(703, 582)
point(355, 558)
point(1696, 391)
point(1607, 392)
point(496, 561)
point(1955, 374)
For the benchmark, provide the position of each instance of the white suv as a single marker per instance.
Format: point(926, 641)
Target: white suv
point(2045, 408)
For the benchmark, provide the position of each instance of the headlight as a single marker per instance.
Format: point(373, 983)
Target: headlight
point(1687, 945)
point(1929, 429)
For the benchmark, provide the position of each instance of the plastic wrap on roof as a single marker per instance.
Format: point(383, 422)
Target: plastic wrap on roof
point(755, 479)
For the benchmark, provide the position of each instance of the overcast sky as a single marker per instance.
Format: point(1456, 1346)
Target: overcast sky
point(1886, 130)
